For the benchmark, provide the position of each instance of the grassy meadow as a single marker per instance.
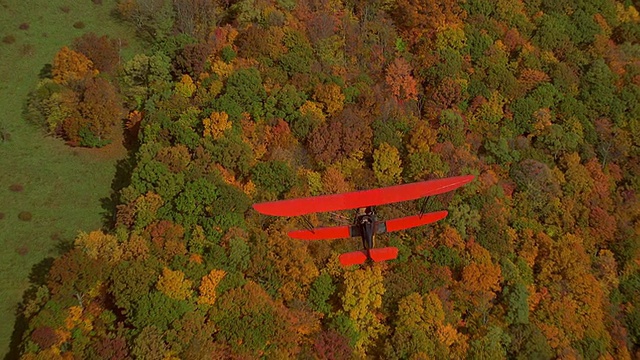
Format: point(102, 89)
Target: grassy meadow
point(48, 191)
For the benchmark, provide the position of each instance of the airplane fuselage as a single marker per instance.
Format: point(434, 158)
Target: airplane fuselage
point(367, 223)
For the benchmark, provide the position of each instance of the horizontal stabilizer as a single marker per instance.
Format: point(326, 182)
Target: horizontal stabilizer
point(327, 233)
point(383, 254)
point(413, 221)
point(353, 258)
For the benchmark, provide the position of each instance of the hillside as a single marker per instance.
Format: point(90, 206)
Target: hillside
point(240, 102)
point(48, 191)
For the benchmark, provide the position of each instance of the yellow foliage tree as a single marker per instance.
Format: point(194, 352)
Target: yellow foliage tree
point(208, 286)
point(314, 182)
point(136, 248)
point(97, 244)
point(174, 285)
point(331, 96)
point(425, 316)
point(294, 265)
point(423, 137)
point(185, 87)
point(69, 65)
point(387, 166)
point(146, 207)
point(313, 111)
point(222, 69)
point(61, 106)
point(575, 305)
point(216, 124)
point(361, 299)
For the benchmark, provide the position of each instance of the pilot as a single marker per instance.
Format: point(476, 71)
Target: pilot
point(367, 223)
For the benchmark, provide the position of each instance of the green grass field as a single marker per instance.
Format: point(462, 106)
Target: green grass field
point(61, 187)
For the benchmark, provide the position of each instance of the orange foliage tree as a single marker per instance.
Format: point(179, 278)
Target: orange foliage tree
point(208, 286)
point(403, 86)
point(70, 66)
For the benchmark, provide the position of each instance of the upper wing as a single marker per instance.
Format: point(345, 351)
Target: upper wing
point(364, 198)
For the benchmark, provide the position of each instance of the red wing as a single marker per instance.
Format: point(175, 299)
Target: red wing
point(413, 221)
point(353, 258)
point(383, 254)
point(327, 233)
point(358, 199)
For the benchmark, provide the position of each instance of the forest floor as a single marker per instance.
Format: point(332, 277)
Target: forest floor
point(48, 190)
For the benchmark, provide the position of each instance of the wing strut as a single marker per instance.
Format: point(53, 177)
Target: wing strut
point(425, 203)
point(308, 224)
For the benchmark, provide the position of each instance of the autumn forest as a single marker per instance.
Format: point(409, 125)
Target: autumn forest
point(238, 102)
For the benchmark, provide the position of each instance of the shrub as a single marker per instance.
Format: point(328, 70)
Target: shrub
point(27, 50)
point(23, 26)
point(78, 25)
point(65, 9)
point(22, 250)
point(1, 216)
point(9, 39)
point(16, 187)
point(89, 139)
point(4, 135)
point(25, 216)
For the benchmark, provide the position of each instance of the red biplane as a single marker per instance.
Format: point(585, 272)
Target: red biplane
point(365, 225)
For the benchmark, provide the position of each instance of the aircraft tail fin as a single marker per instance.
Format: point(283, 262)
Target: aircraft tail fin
point(376, 254)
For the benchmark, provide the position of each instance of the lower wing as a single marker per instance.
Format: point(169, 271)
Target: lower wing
point(342, 232)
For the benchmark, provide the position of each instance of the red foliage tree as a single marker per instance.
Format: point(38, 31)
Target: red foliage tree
point(192, 58)
point(330, 345)
point(101, 50)
point(167, 239)
point(100, 108)
point(74, 273)
point(324, 142)
point(447, 94)
point(45, 337)
point(112, 348)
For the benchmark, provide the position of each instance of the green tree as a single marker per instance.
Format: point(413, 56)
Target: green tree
point(490, 346)
point(158, 310)
point(517, 306)
point(243, 92)
point(156, 177)
point(452, 128)
point(321, 290)
point(251, 322)
point(284, 104)
point(130, 281)
point(274, 177)
point(150, 344)
point(143, 75)
point(598, 88)
point(299, 58)
point(195, 202)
